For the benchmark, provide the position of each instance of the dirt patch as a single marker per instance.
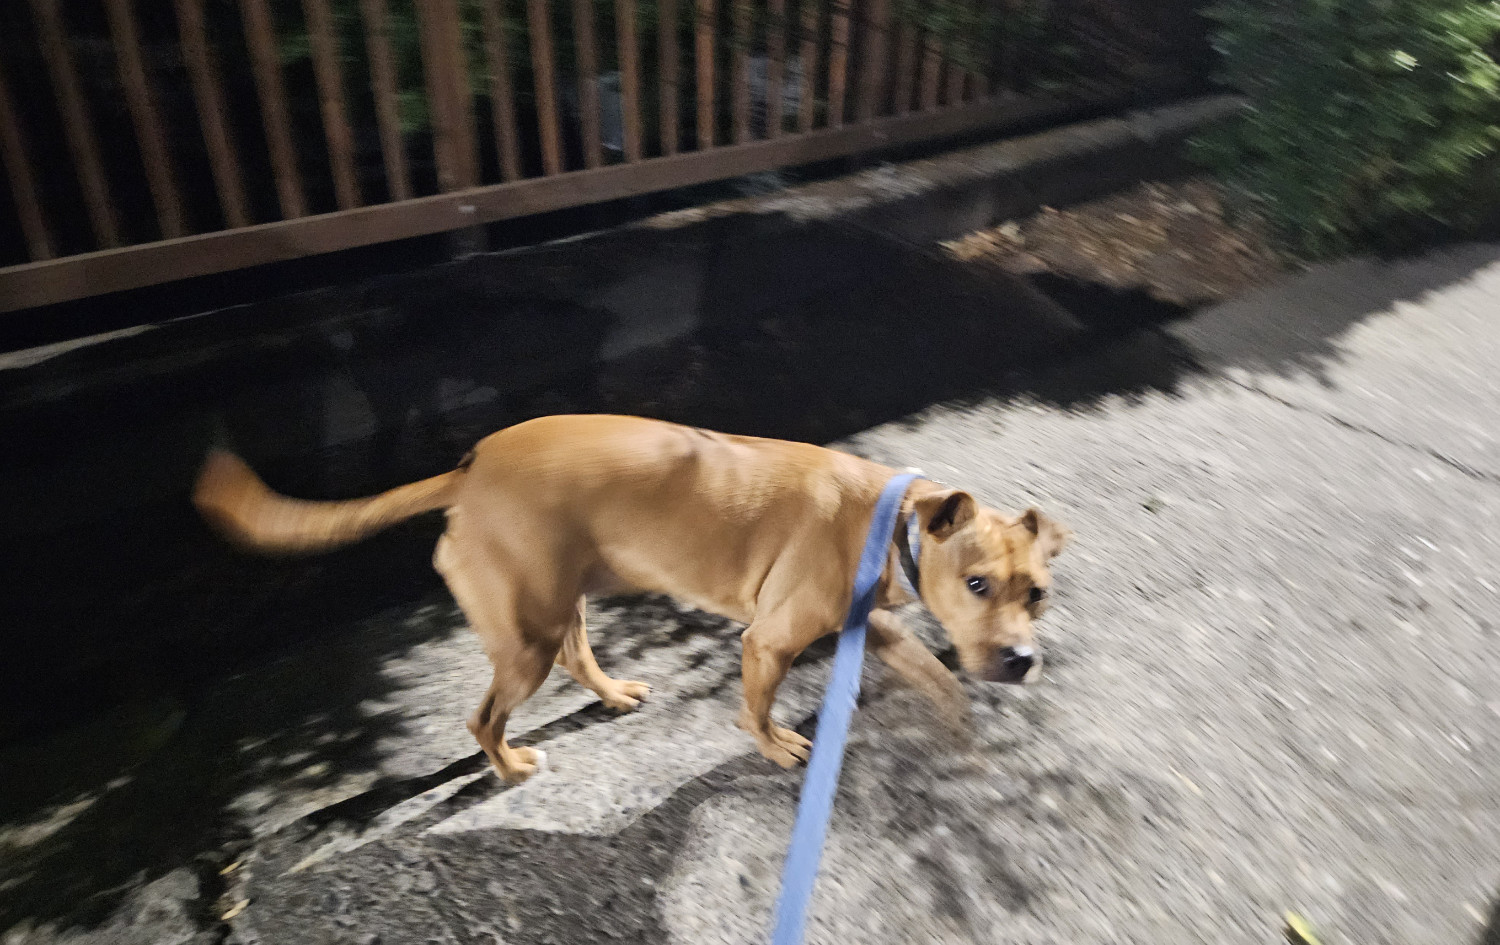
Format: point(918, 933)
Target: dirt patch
point(1173, 241)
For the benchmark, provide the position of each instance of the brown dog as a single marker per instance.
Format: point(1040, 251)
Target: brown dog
point(765, 532)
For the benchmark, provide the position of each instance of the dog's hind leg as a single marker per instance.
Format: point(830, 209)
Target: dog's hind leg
point(913, 662)
point(578, 659)
point(522, 659)
point(507, 691)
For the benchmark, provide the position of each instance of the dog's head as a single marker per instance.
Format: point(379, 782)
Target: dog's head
point(984, 576)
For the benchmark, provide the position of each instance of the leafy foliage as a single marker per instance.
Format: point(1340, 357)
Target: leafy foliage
point(1373, 123)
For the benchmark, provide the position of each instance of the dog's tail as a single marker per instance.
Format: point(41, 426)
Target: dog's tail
point(232, 497)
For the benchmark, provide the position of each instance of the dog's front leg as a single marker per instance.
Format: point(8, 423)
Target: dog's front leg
point(770, 645)
point(899, 648)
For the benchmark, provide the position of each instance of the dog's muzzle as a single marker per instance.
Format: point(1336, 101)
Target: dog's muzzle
point(1011, 664)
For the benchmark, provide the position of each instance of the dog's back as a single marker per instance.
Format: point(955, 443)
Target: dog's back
point(666, 507)
point(631, 503)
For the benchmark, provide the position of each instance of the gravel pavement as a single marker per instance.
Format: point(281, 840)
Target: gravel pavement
point(1272, 683)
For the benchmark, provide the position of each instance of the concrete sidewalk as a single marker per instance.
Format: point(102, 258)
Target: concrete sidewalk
point(1272, 683)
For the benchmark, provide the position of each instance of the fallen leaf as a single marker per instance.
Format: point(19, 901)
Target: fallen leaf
point(239, 907)
point(1298, 932)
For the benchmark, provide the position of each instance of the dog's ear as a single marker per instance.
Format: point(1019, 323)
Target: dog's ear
point(947, 512)
point(1051, 537)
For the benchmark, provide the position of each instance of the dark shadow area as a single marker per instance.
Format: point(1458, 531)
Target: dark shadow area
point(826, 374)
point(131, 625)
point(1109, 310)
point(613, 896)
point(1491, 933)
point(167, 783)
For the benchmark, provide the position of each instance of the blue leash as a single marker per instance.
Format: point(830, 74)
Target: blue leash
point(816, 804)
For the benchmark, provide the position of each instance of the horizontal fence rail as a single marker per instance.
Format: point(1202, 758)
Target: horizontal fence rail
point(145, 143)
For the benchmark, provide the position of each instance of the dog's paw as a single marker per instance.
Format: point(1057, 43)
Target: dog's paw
point(625, 695)
point(785, 747)
point(524, 763)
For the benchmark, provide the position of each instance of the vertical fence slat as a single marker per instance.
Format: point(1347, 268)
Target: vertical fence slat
point(630, 76)
point(1007, 53)
point(330, 81)
point(979, 84)
point(13, 154)
point(775, 65)
point(446, 69)
point(208, 95)
point(906, 67)
point(806, 104)
point(838, 62)
point(387, 108)
point(704, 49)
point(82, 142)
point(466, 139)
point(502, 95)
point(539, 16)
point(260, 38)
point(666, 11)
point(986, 45)
point(439, 98)
point(932, 65)
point(587, 51)
point(150, 136)
point(962, 57)
point(872, 76)
point(953, 87)
point(740, 72)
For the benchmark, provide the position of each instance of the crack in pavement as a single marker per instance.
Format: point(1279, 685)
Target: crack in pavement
point(1478, 475)
point(1464, 469)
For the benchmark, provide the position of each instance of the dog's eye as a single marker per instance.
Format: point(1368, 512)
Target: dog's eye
point(979, 585)
point(1038, 594)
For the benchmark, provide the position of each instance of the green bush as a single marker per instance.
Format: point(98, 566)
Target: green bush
point(1373, 123)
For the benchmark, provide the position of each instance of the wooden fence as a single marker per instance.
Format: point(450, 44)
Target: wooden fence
point(145, 142)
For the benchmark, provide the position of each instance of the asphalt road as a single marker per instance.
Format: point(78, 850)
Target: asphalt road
point(1272, 683)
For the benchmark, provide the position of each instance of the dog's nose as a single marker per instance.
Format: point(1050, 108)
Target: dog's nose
point(1014, 662)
